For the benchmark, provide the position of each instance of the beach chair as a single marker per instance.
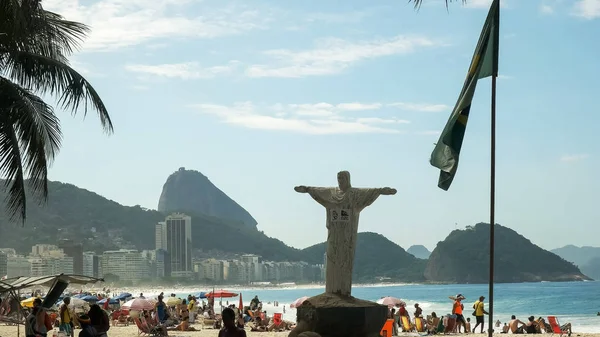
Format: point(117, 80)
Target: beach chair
point(146, 330)
point(388, 328)
point(406, 326)
point(556, 328)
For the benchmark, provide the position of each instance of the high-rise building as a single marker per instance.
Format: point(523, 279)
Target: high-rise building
point(253, 267)
point(179, 244)
point(163, 263)
point(161, 235)
point(42, 249)
point(3, 265)
point(91, 264)
point(18, 266)
point(74, 250)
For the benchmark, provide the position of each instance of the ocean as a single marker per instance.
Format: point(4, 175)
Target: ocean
point(574, 302)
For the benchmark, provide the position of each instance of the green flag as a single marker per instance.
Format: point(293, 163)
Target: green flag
point(484, 64)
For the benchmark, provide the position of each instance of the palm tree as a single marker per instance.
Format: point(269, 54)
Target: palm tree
point(34, 49)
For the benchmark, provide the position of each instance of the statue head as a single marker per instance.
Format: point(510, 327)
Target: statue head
point(344, 180)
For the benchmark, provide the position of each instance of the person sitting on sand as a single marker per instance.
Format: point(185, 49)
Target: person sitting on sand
point(260, 325)
point(229, 328)
point(432, 323)
point(505, 328)
point(514, 323)
point(532, 326)
point(468, 324)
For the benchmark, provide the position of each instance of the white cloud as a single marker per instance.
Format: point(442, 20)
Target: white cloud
point(421, 107)
point(574, 157)
point(332, 56)
point(546, 9)
point(186, 71)
point(320, 118)
point(587, 9)
point(122, 23)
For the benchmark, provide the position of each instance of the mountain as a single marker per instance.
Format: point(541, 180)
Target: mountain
point(586, 258)
point(191, 192)
point(101, 224)
point(376, 258)
point(463, 257)
point(419, 251)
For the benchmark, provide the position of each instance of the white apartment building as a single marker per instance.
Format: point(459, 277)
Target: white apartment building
point(18, 266)
point(128, 265)
point(51, 265)
point(253, 266)
point(161, 235)
point(43, 249)
point(91, 265)
point(212, 270)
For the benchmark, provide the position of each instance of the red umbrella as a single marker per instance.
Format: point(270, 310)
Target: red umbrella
point(220, 294)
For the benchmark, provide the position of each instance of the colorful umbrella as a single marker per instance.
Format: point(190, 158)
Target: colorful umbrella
point(138, 304)
point(391, 302)
point(28, 303)
point(173, 301)
point(298, 302)
point(220, 294)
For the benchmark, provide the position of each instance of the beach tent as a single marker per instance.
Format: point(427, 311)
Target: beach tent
point(18, 283)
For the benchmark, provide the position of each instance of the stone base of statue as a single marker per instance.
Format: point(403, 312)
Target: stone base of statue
point(332, 315)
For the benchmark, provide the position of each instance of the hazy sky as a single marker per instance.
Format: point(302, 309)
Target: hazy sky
point(262, 95)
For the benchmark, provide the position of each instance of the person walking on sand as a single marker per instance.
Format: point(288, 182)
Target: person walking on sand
point(479, 312)
point(457, 309)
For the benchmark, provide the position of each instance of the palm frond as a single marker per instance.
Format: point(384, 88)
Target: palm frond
point(418, 3)
point(33, 128)
point(45, 74)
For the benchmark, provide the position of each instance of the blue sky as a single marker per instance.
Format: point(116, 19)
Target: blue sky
point(262, 96)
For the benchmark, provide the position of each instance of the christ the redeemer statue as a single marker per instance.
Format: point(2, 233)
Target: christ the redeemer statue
point(344, 204)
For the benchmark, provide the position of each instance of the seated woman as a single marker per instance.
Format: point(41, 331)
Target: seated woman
point(432, 323)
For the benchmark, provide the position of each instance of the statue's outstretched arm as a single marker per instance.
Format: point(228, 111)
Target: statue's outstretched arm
point(320, 194)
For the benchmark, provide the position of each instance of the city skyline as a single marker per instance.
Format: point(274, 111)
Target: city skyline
point(265, 96)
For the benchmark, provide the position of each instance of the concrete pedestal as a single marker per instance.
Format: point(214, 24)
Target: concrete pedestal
point(332, 315)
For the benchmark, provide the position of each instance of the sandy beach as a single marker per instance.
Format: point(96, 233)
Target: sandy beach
point(131, 331)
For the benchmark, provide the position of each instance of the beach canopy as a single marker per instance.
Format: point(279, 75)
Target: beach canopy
point(201, 294)
point(138, 304)
point(391, 302)
point(18, 283)
point(221, 294)
point(298, 302)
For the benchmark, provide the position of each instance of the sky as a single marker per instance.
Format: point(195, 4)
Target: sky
point(264, 95)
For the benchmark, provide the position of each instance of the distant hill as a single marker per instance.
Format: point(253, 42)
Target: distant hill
point(376, 257)
point(102, 224)
point(191, 191)
point(419, 251)
point(586, 258)
point(463, 257)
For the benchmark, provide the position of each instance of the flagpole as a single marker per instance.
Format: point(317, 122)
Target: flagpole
point(493, 174)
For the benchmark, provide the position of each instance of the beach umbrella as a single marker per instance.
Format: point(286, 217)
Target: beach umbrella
point(391, 302)
point(28, 303)
point(90, 298)
point(173, 301)
point(201, 294)
point(298, 302)
point(123, 296)
point(110, 301)
point(138, 304)
point(220, 294)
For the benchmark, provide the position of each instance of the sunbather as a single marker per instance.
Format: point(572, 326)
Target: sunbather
point(516, 325)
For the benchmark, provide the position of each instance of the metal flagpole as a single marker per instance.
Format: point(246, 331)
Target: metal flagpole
point(493, 172)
